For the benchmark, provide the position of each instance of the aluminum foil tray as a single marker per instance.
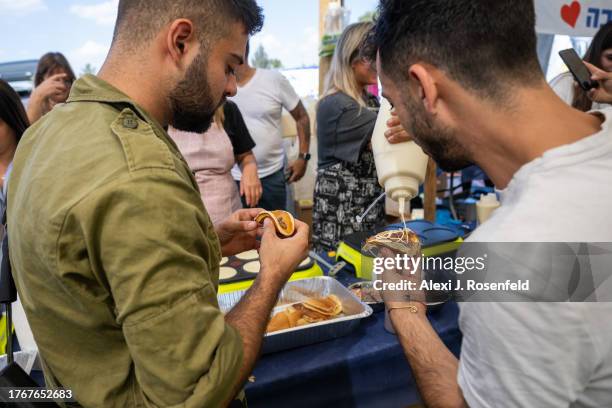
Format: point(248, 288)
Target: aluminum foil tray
point(353, 311)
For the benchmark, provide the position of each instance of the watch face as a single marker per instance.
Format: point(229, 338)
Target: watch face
point(305, 156)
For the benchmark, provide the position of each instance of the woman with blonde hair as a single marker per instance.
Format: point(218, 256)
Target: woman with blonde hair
point(211, 156)
point(346, 177)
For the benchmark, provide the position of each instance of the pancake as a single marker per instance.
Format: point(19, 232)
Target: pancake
point(226, 272)
point(285, 319)
point(248, 255)
point(311, 311)
point(309, 316)
point(252, 267)
point(388, 243)
point(279, 321)
point(284, 223)
point(328, 306)
point(223, 261)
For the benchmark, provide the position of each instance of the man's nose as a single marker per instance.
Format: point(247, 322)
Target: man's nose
point(231, 88)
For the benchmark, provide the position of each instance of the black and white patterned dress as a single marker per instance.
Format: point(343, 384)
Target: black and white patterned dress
point(346, 180)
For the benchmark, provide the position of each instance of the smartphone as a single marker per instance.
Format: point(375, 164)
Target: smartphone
point(581, 73)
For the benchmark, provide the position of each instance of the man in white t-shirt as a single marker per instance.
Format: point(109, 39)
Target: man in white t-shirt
point(262, 95)
point(478, 96)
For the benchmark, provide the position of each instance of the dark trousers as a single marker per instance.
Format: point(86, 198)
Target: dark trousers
point(274, 196)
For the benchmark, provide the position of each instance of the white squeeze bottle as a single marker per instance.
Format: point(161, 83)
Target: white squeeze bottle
point(485, 207)
point(401, 167)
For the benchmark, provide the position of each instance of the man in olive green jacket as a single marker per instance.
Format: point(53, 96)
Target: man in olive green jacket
point(115, 258)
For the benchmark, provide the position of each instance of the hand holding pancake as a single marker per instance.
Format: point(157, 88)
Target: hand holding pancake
point(283, 221)
point(280, 257)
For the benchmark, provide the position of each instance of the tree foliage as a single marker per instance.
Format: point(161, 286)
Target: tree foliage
point(89, 69)
point(368, 17)
point(262, 60)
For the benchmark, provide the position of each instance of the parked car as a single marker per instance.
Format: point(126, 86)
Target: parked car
point(20, 74)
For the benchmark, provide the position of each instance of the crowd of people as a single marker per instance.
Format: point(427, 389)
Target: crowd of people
point(130, 185)
point(346, 182)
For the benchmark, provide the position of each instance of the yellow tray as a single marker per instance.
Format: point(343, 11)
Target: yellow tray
point(313, 271)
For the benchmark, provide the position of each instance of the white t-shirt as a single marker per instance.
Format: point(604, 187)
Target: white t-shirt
point(545, 354)
point(261, 102)
point(563, 85)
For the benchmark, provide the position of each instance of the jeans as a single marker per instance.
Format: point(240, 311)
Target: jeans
point(274, 196)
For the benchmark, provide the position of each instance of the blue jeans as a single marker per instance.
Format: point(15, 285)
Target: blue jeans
point(274, 196)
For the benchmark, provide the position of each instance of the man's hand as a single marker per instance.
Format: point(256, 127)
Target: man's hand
point(434, 367)
point(407, 276)
point(238, 232)
point(280, 257)
point(396, 132)
point(250, 185)
point(297, 170)
point(603, 94)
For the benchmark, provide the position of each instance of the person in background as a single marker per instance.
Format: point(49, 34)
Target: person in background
point(492, 107)
point(346, 181)
point(52, 83)
point(598, 54)
point(262, 95)
point(13, 122)
point(211, 156)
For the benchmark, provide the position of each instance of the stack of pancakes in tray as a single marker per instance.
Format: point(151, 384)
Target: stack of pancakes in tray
point(307, 312)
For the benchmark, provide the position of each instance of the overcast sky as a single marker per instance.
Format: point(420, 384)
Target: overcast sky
point(82, 29)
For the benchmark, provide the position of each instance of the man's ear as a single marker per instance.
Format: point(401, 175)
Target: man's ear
point(427, 88)
point(180, 41)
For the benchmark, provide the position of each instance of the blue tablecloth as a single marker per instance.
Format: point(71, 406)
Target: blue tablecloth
point(364, 369)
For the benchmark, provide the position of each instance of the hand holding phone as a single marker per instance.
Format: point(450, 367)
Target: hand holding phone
point(581, 73)
point(603, 93)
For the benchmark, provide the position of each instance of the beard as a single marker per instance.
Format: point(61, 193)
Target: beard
point(438, 141)
point(191, 102)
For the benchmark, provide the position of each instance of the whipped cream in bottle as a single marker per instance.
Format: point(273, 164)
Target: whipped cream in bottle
point(401, 167)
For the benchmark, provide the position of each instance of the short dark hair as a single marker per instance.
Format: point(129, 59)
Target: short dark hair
point(482, 44)
point(50, 62)
point(141, 20)
point(12, 111)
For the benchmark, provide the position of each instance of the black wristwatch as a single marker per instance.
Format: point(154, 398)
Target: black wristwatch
point(306, 156)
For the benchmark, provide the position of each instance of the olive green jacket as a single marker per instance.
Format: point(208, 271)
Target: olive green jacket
point(116, 260)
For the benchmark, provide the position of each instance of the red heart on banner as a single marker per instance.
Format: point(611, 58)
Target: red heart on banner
point(570, 13)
